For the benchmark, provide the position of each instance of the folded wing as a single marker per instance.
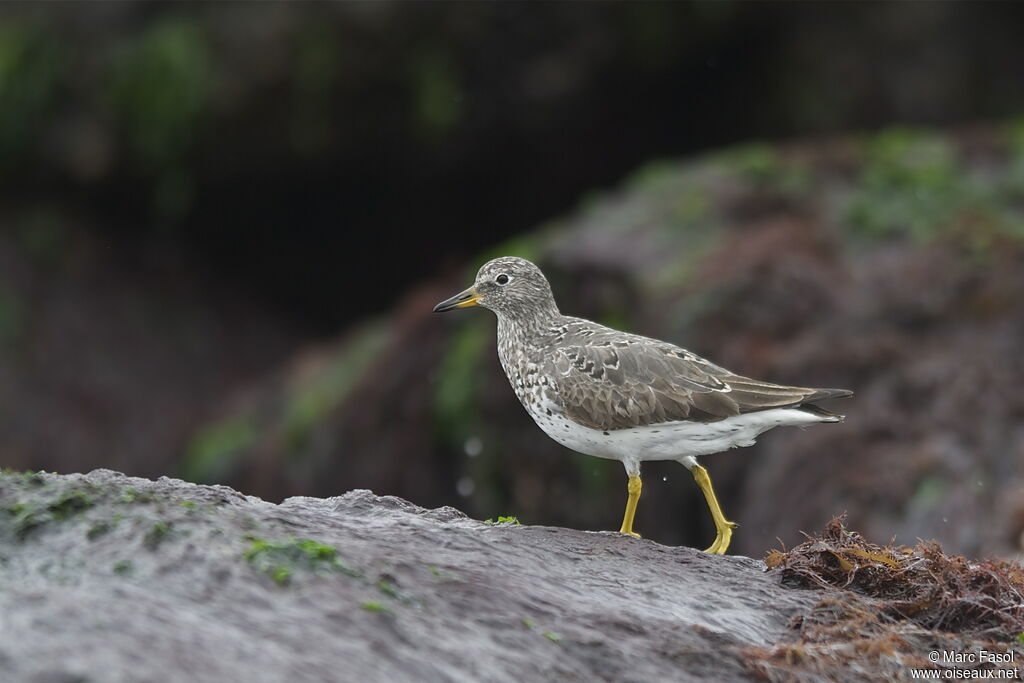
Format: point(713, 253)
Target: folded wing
point(620, 384)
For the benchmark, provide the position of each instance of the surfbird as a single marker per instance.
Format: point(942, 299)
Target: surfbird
point(625, 397)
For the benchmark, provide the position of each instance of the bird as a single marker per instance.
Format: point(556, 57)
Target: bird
point(627, 397)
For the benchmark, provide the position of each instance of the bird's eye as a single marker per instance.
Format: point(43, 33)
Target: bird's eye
point(502, 279)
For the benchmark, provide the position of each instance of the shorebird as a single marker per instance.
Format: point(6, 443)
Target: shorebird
point(626, 397)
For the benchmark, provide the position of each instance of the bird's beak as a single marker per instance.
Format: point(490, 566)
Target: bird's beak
point(463, 299)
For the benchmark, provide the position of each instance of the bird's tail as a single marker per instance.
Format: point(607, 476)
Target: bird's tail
point(824, 395)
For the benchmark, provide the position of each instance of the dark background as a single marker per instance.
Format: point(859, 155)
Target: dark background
point(201, 202)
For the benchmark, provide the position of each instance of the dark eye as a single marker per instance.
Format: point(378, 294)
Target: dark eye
point(502, 279)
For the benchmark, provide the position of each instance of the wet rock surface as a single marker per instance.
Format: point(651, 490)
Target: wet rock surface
point(105, 577)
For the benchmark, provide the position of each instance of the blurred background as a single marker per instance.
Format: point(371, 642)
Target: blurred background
point(223, 227)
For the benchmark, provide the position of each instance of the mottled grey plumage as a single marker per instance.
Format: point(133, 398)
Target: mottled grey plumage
point(605, 379)
point(617, 395)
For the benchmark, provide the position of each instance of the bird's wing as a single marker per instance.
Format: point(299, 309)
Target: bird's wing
point(637, 381)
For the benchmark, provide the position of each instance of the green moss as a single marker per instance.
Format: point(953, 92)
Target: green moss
point(552, 636)
point(29, 517)
point(70, 505)
point(98, 529)
point(27, 521)
point(124, 567)
point(378, 607)
point(280, 560)
point(511, 521)
point(31, 477)
point(216, 449)
point(528, 623)
point(387, 588)
point(281, 575)
point(188, 504)
point(129, 496)
point(441, 573)
point(157, 534)
point(16, 508)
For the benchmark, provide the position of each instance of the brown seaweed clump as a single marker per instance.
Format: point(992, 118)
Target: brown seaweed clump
point(890, 609)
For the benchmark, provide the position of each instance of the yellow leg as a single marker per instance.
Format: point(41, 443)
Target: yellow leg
point(634, 487)
point(723, 527)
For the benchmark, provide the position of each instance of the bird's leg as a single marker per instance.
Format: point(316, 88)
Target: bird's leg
point(723, 527)
point(634, 487)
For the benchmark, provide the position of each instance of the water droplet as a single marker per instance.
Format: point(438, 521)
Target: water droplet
point(944, 520)
point(473, 446)
point(980, 485)
point(664, 478)
point(465, 487)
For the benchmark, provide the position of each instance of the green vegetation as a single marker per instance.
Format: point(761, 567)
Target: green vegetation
point(442, 574)
point(98, 529)
point(188, 504)
point(436, 94)
point(161, 90)
point(457, 388)
point(378, 607)
point(511, 521)
point(910, 182)
point(312, 399)
point(550, 635)
point(913, 182)
point(124, 567)
point(157, 534)
point(216, 448)
point(762, 165)
point(388, 588)
point(70, 505)
point(130, 495)
point(280, 560)
point(29, 71)
point(29, 517)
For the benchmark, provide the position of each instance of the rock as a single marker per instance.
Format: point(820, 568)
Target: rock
point(105, 577)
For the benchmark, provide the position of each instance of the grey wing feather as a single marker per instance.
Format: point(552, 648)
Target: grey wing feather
point(616, 385)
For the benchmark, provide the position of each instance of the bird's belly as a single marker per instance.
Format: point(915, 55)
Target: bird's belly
point(669, 440)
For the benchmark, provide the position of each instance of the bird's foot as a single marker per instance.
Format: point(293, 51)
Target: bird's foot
point(630, 533)
point(723, 538)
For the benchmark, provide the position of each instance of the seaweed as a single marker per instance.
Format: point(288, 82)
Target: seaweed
point(889, 606)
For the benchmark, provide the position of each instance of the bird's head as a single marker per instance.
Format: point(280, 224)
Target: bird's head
point(508, 286)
